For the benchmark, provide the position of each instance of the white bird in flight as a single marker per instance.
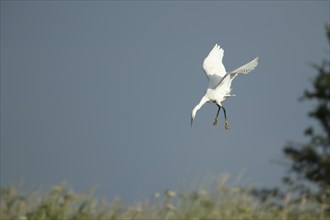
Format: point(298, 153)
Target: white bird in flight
point(219, 87)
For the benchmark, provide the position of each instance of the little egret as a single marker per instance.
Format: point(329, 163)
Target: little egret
point(219, 87)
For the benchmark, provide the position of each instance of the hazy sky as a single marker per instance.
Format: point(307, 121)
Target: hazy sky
point(100, 93)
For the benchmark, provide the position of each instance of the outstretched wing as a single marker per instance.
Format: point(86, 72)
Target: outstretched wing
point(213, 67)
point(245, 69)
point(225, 84)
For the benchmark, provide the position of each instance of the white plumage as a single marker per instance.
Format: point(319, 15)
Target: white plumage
point(219, 86)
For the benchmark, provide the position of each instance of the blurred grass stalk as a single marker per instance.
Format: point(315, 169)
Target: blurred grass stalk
point(223, 200)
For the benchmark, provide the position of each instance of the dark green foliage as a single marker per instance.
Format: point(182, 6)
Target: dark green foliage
point(311, 160)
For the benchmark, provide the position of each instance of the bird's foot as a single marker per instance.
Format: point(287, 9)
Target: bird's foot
point(215, 121)
point(227, 125)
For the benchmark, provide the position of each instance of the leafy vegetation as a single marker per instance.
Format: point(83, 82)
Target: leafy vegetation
point(223, 200)
point(310, 162)
point(309, 176)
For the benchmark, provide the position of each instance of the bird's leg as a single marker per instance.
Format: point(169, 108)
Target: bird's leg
point(226, 123)
point(216, 117)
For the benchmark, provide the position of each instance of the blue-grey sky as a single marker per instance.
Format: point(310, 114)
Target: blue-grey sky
point(100, 93)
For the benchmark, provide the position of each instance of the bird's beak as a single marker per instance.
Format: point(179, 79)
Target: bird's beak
point(191, 122)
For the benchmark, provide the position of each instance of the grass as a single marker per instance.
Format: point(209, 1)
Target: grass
point(219, 202)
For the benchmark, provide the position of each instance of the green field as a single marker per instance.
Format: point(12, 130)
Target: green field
point(221, 201)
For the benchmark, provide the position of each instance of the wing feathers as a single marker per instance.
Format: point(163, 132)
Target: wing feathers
point(245, 69)
point(216, 72)
point(212, 64)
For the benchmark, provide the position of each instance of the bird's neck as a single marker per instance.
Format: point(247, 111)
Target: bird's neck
point(200, 104)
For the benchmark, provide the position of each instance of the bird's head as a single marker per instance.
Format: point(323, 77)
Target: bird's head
point(193, 115)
